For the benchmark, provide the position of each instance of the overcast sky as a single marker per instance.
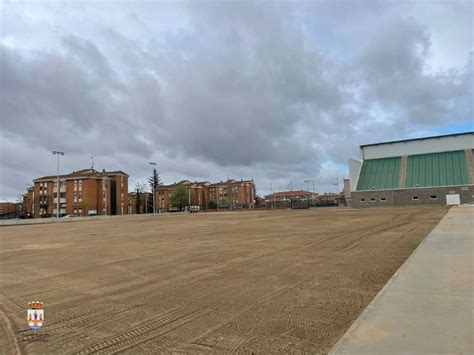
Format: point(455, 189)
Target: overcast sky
point(278, 92)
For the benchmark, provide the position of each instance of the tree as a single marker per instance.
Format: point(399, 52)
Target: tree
point(179, 197)
point(154, 181)
point(230, 198)
point(257, 200)
point(140, 190)
point(44, 202)
point(83, 205)
point(21, 201)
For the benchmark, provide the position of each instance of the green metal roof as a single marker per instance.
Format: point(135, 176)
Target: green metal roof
point(379, 174)
point(437, 169)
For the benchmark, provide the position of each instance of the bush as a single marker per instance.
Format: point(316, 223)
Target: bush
point(212, 205)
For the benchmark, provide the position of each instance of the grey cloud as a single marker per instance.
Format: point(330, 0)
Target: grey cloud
point(233, 87)
point(393, 67)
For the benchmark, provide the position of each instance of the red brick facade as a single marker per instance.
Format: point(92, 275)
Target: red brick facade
point(204, 195)
point(82, 193)
point(233, 194)
point(142, 205)
point(10, 209)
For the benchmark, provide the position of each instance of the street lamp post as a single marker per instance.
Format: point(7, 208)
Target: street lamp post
point(153, 192)
point(57, 153)
point(307, 189)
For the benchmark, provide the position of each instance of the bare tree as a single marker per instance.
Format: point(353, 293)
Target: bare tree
point(44, 203)
point(140, 189)
point(20, 201)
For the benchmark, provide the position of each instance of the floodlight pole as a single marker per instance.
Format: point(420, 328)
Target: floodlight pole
point(307, 189)
point(307, 186)
point(57, 153)
point(153, 192)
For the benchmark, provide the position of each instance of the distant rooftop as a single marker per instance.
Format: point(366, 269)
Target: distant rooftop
point(229, 182)
point(84, 173)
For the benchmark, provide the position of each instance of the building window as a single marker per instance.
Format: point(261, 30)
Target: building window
point(433, 197)
point(415, 198)
point(362, 200)
point(372, 199)
point(62, 195)
point(383, 199)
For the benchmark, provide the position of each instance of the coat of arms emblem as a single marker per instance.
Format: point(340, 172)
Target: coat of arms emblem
point(35, 315)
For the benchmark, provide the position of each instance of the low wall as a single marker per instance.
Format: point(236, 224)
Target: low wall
point(405, 197)
point(14, 222)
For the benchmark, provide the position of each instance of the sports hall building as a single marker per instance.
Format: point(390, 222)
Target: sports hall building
point(422, 171)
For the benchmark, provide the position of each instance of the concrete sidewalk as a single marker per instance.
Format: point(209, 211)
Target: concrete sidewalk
point(427, 306)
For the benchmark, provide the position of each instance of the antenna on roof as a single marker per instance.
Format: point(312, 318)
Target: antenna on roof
point(92, 162)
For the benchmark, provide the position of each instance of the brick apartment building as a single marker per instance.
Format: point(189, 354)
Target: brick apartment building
point(233, 194)
point(203, 195)
point(142, 204)
point(82, 193)
point(197, 192)
point(10, 210)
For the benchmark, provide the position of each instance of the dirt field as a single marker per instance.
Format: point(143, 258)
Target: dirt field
point(262, 282)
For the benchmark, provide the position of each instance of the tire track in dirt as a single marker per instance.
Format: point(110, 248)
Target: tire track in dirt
point(147, 332)
point(208, 298)
point(247, 264)
point(9, 342)
point(393, 226)
point(354, 243)
point(59, 337)
point(59, 279)
point(232, 343)
point(375, 230)
point(94, 317)
point(223, 274)
point(352, 232)
point(261, 260)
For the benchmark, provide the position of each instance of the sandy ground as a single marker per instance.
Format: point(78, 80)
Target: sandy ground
point(262, 282)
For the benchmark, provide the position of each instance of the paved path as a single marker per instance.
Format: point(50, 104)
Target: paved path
point(427, 306)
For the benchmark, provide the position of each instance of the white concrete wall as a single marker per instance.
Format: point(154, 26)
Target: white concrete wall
point(432, 145)
point(354, 172)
